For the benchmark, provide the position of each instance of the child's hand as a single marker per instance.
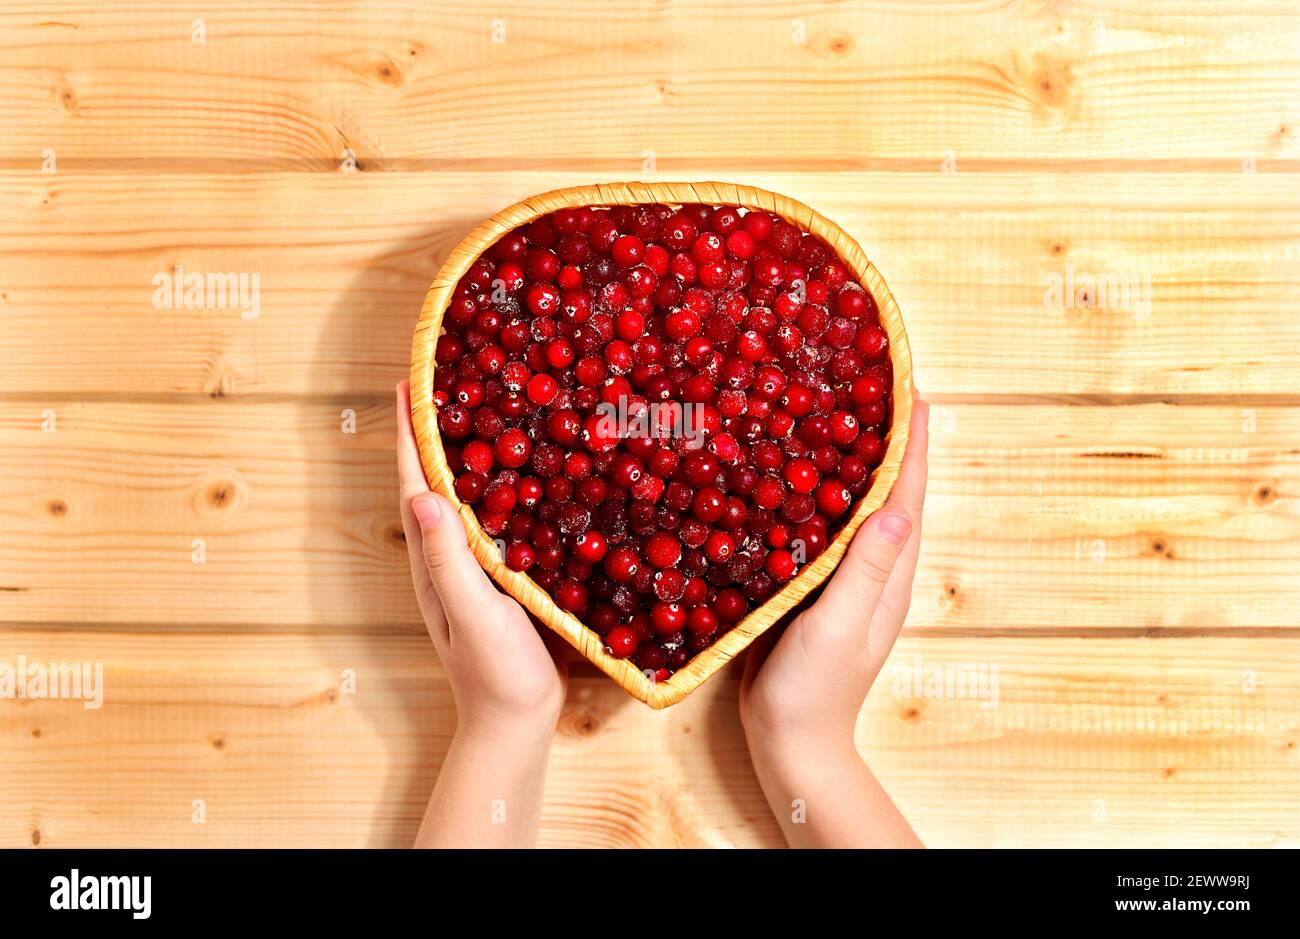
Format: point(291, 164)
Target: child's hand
point(799, 703)
point(808, 691)
point(501, 671)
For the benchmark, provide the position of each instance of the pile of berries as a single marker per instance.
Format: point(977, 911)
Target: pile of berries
point(661, 413)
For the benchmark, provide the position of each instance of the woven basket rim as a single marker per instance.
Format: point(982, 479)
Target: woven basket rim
point(520, 585)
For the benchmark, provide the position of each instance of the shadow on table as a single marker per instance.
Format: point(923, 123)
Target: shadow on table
point(366, 339)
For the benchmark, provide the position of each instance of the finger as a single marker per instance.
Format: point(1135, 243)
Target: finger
point(411, 482)
point(856, 587)
point(888, 535)
point(410, 472)
point(909, 489)
point(462, 587)
point(758, 653)
point(910, 493)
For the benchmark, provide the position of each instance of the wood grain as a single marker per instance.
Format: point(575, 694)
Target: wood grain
point(1112, 512)
point(1039, 518)
point(439, 86)
point(1097, 742)
point(344, 262)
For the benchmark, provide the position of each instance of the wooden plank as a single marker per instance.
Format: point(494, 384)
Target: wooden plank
point(344, 262)
point(419, 86)
point(1139, 518)
point(1096, 742)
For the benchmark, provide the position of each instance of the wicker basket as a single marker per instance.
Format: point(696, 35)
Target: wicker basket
point(519, 585)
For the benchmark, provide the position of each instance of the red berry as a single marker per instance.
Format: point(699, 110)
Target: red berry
point(622, 564)
point(702, 621)
point(663, 550)
point(801, 475)
point(780, 565)
point(660, 539)
point(513, 448)
point(520, 557)
point(621, 641)
point(668, 618)
point(590, 546)
point(571, 596)
point(832, 498)
point(719, 547)
point(542, 389)
point(867, 390)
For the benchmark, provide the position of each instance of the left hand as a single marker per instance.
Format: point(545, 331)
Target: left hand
point(502, 673)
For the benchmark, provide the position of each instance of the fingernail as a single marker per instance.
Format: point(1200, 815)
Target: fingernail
point(895, 527)
point(426, 509)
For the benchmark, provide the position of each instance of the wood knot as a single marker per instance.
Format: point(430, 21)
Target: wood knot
point(36, 733)
point(331, 695)
point(58, 508)
point(218, 383)
point(1057, 248)
point(68, 101)
point(1051, 84)
point(834, 45)
point(389, 74)
point(219, 496)
point(218, 741)
point(911, 713)
point(1264, 495)
point(36, 837)
point(1160, 546)
point(1169, 771)
point(581, 722)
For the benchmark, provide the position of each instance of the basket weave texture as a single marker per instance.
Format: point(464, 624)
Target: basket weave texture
point(520, 585)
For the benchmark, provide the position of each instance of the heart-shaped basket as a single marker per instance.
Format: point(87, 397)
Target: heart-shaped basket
point(520, 585)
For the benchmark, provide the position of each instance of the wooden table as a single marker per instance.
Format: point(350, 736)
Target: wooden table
point(1112, 520)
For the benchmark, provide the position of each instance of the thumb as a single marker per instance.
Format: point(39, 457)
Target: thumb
point(855, 588)
point(458, 580)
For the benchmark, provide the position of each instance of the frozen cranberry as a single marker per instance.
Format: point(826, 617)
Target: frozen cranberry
point(867, 390)
point(513, 448)
point(478, 456)
point(661, 529)
point(571, 596)
point(832, 498)
point(780, 565)
point(470, 486)
point(801, 476)
point(730, 605)
point(668, 618)
point(520, 556)
point(719, 547)
point(627, 250)
point(590, 546)
point(663, 550)
point(622, 641)
point(622, 564)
